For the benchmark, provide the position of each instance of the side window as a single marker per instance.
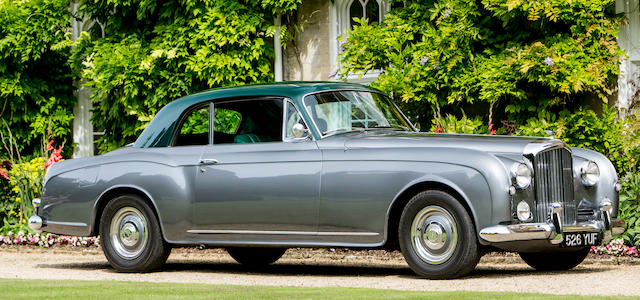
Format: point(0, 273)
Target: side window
point(194, 129)
point(248, 121)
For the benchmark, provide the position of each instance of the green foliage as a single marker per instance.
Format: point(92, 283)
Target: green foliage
point(152, 54)
point(15, 228)
point(629, 208)
point(531, 56)
point(197, 122)
point(617, 139)
point(451, 124)
point(25, 181)
point(24, 178)
point(226, 121)
point(36, 89)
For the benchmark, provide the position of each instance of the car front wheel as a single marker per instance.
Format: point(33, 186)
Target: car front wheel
point(130, 235)
point(256, 257)
point(555, 261)
point(437, 237)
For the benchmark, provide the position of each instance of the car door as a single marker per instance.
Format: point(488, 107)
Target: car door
point(257, 181)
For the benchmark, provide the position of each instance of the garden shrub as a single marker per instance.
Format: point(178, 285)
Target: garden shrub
point(451, 124)
point(25, 181)
point(36, 83)
point(629, 208)
point(23, 178)
point(525, 58)
point(616, 138)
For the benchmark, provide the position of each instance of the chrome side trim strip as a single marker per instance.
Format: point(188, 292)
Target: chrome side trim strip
point(270, 232)
point(73, 224)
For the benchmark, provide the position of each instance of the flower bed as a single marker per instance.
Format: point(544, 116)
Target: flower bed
point(615, 247)
point(47, 240)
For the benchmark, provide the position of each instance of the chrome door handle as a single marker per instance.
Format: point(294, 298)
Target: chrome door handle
point(208, 161)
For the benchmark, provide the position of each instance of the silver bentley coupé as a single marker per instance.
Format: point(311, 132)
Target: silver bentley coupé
point(258, 169)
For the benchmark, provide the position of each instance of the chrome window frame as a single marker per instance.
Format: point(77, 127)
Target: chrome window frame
point(285, 104)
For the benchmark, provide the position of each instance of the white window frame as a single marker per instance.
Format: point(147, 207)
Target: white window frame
point(341, 24)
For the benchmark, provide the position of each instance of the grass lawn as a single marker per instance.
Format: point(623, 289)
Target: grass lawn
point(73, 289)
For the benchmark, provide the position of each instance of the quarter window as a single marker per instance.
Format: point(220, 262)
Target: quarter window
point(292, 118)
point(194, 129)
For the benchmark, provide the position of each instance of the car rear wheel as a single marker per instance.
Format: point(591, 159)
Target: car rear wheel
point(130, 235)
point(437, 237)
point(256, 257)
point(555, 261)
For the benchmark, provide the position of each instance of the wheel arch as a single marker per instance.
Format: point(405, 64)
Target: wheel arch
point(395, 210)
point(120, 190)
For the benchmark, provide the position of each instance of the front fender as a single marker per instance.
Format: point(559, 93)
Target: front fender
point(605, 188)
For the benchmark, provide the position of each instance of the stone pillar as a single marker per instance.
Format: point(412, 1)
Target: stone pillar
point(629, 40)
point(307, 58)
point(82, 126)
point(277, 45)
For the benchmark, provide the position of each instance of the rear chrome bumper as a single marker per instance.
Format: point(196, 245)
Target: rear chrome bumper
point(553, 231)
point(36, 223)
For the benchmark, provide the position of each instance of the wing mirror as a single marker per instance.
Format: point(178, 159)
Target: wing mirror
point(299, 130)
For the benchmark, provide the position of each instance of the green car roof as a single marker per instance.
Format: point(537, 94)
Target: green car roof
point(159, 132)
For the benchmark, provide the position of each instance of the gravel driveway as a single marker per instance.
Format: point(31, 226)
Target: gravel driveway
point(326, 268)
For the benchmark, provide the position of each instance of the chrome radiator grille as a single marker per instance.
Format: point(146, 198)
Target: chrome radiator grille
point(554, 183)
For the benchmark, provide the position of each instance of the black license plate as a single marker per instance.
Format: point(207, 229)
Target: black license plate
point(580, 239)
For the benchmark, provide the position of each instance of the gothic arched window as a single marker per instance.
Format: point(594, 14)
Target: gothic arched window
point(367, 9)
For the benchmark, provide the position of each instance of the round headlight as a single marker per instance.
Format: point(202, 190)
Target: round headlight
point(524, 212)
point(590, 173)
point(521, 175)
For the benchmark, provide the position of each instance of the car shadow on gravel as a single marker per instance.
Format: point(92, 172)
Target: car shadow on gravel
point(492, 272)
point(320, 269)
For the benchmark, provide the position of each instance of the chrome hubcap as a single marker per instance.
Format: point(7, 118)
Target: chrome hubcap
point(434, 234)
point(129, 232)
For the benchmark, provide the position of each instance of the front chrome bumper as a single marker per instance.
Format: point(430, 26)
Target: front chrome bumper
point(544, 231)
point(553, 231)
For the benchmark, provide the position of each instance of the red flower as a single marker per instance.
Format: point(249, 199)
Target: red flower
point(55, 157)
point(4, 173)
point(491, 132)
point(438, 129)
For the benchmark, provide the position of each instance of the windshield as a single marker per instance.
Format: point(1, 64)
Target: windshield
point(342, 111)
